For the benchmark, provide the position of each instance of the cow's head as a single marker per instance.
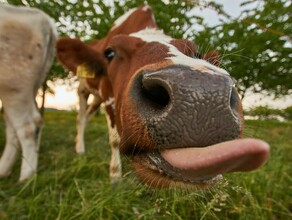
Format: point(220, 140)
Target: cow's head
point(179, 117)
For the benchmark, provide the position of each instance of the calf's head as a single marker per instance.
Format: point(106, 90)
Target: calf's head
point(178, 117)
point(176, 114)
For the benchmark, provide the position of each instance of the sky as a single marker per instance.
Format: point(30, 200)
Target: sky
point(232, 7)
point(66, 97)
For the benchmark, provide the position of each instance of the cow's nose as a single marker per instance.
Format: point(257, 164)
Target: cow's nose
point(187, 107)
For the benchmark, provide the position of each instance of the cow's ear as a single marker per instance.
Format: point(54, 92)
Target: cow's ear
point(212, 57)
point(185, 46)
point(80, 58)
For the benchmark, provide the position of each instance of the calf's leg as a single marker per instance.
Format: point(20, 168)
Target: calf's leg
point(27, 123)
point(11, 149)
point(84, 114)
point(29, 136)
point(81, 120)
point(115, 163)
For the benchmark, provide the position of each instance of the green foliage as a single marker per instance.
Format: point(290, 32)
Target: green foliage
point(256, 47)
point(287, 113)
point(91, 19)
point(265, 112)
point(69, 186)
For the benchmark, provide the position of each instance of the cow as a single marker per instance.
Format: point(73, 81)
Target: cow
point(177, 116)
point(27, 44)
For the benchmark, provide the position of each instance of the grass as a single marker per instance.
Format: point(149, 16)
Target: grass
point(69, 186)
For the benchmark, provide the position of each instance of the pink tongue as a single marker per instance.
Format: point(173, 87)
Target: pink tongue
point(230, 156)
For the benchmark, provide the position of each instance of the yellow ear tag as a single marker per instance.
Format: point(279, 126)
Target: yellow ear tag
point(84, 72)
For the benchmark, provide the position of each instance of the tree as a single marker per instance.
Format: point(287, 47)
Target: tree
point(91, 19)
point(256, 46)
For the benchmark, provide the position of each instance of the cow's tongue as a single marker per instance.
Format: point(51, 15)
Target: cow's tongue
point(230, 156)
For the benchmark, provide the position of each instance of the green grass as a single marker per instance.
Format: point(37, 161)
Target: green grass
point(69, 186)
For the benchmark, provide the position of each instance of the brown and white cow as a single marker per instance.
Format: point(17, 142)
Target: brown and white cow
point(178, 117)
point(27, 39)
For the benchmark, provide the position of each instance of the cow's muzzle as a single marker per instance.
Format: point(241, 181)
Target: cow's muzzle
point(183, 107)
point(188, 118)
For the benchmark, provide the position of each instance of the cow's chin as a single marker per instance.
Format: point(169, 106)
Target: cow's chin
point(155, 177)
point(199, 167)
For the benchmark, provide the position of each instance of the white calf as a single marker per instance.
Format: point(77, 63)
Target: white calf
point(27, 39)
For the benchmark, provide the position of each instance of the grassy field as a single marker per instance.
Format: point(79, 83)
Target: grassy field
point(77, 187)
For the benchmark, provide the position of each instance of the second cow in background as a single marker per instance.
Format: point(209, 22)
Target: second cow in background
point(27, 39)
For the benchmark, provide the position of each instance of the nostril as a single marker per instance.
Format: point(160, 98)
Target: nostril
point(234, 99)
point(155, 93)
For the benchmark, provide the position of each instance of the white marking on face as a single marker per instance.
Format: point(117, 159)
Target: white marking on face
point(123, 18)
point(177, 57)
point(152, 35)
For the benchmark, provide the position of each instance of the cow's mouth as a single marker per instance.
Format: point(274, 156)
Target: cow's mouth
point(199, 166)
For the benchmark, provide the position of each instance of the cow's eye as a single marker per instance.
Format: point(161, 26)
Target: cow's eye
point(109, 54)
